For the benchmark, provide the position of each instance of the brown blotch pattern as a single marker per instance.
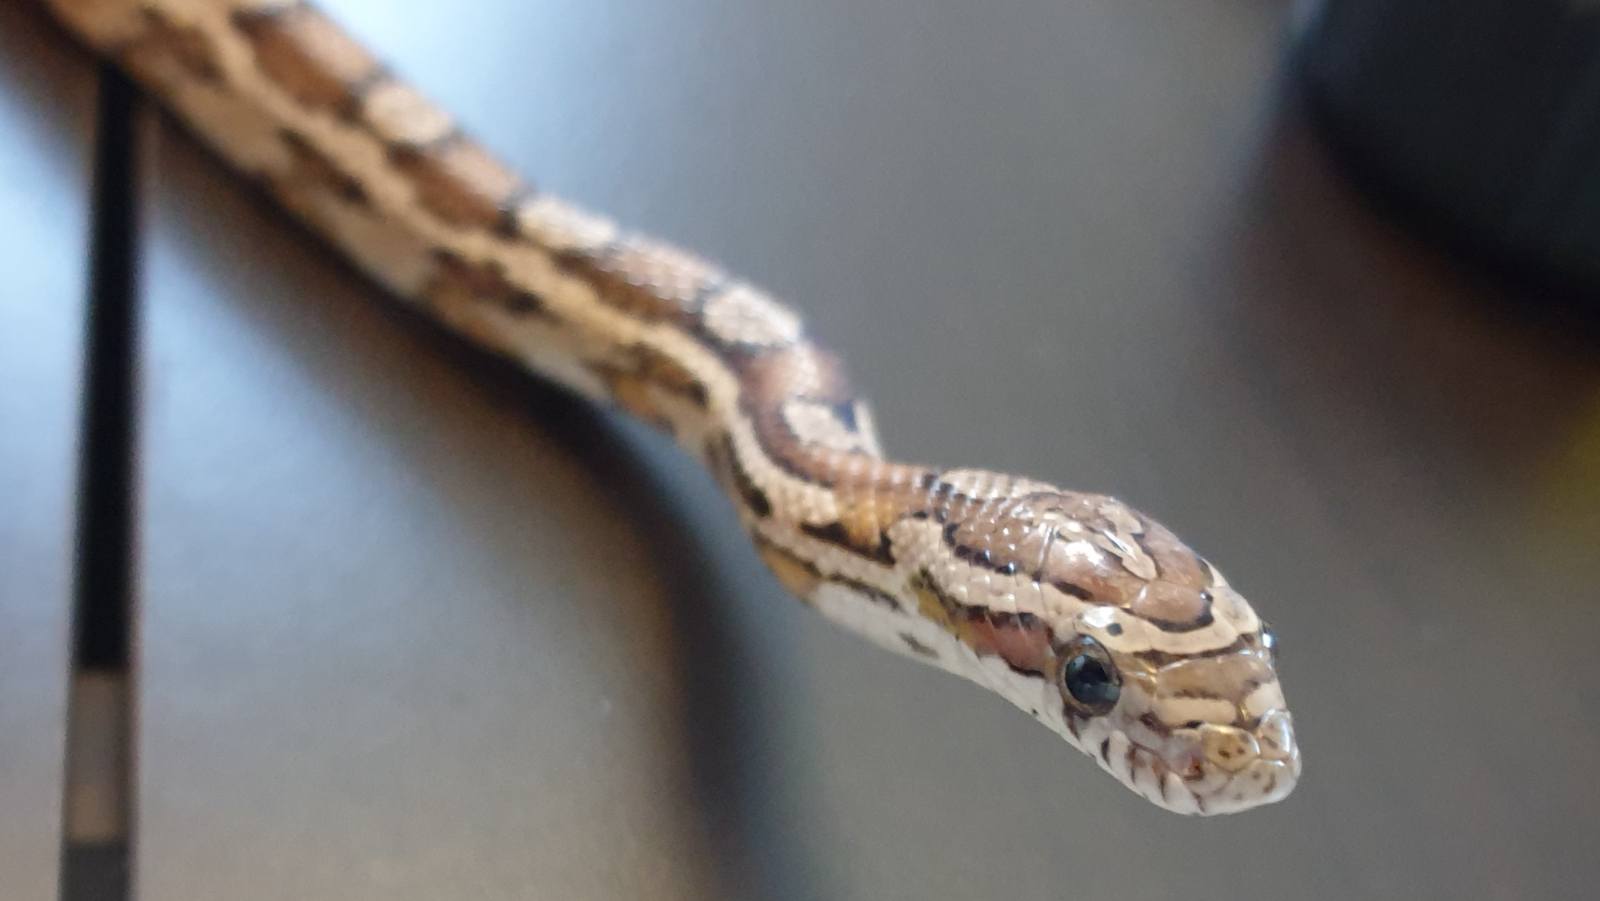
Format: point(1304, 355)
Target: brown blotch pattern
point(635, 376)
point(1175, 561)
point(874, 492)
point(457, 281)
point(311, 59)
point(869, 543)
point(632, 393)
point(668, 374)
point(1173, 607)
point(458, 181)
point(308, 56)
point(311, 168)
point(1068, 541)
point(645, 279)
point(1022, 640)
point(162, 41)
point(462, 184)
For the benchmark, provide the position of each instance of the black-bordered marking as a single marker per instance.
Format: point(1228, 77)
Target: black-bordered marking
point(920, 649)
point(836, 534)
point(192, 48)
point(313, 167)
point(725, 462)
point(459, 279)
point(873, 593)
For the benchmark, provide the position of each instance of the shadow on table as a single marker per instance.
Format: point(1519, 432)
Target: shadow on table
point(724, 729)
point(758, 853)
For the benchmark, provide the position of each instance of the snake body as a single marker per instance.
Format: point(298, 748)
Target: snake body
point(1086, 614)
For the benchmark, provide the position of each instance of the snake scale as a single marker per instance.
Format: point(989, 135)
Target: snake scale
point(1088, 615)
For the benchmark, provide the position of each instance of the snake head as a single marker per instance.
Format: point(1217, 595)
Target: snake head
point(1201, 731)
point(1166, 674)
point(1151, 662)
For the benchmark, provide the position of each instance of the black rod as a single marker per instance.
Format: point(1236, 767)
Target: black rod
point(96, 822)
point(103, 591)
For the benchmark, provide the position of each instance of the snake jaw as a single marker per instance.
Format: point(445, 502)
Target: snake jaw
point(1184, 779)
point(1201, 736)
point(1212, 769)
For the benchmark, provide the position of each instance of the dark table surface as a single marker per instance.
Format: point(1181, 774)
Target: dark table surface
point(410, 627)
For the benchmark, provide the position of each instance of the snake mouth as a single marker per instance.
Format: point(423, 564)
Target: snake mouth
point(1210, 769)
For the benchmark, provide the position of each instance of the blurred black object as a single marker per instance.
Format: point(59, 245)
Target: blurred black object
point(1482, 116)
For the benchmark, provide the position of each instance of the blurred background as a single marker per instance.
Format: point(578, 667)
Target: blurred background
point(302, 599)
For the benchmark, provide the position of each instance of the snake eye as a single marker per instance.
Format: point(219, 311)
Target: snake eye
point(1089, 680)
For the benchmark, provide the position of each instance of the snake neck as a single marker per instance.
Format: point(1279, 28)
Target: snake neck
point(365, 161)
point(283, 94)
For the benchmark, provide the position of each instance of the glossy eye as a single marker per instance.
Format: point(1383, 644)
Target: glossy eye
point(1089, 680)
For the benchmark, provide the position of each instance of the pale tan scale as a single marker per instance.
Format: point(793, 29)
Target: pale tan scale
point(828, 560)
point(235, 128)
point(394, 255)
point(822, 424)
point(261, 6)
point(807, 502)
point(867, 429)
point(671, 273)
point(106, 25)
point(401, 115)
point(308, 56)
point(317, 38)
point(740, 314)
point(995, 578)
point(459, 182)
point(1180, 710)
point(172, 53)
point(984, 485)
point(1124, 540)
point(563, 227)
point(1266, 698)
